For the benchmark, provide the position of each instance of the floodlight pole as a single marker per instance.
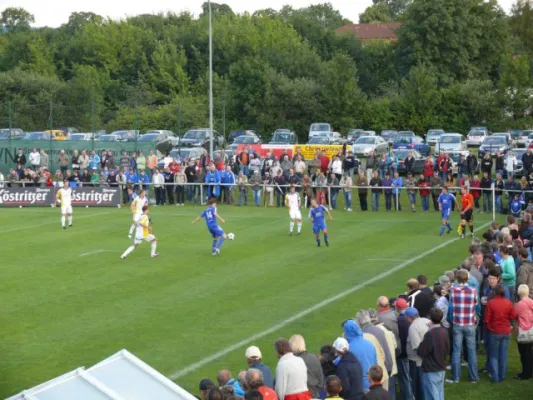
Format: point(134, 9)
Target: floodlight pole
point(210, 82)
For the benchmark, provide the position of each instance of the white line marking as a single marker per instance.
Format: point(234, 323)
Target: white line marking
point(384, 259)
point(301, 314)
point(98, 251)
point(50, 223)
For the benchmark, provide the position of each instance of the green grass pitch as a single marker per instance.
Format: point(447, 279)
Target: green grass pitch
point(68, 300)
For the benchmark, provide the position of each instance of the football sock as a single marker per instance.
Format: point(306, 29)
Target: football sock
point(449, 226)
point(462, 229)
point(326, 237)
point(132, 227)
point(70, 219)
point(318, 240)
point(299, 227)
point(471, 228)
point(292, 226)
point(442, 228)
point(220, 242)
point(154, 247)
point(214, 245)
point(63, 220)
point(128, 251)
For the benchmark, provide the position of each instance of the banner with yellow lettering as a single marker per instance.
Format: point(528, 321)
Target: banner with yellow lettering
point(309, 150)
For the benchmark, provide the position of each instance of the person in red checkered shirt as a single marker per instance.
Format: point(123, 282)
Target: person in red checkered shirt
point(463, 301)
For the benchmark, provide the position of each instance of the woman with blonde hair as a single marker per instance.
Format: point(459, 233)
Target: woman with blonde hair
point(315, 377)
point(524, 337)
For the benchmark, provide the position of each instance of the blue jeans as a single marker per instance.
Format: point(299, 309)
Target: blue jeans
point(486, 345)
point(243, 196)
point(244, 169)
point(392, 387)
point(412, 198)
point(189, 189)
point(375, 201)
point(487, 201)
point(498, 200)
point(468, 333)
point(444, 176)
point(257, 196)
point(499, 345)
point(433, 385)
point(404, 379)
point(334, 195)
point(425, 203)
point(347, 199)
point(416, 380)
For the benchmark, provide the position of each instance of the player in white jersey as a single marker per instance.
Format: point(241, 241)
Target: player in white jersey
point(143, 234)
point(137, 205)
point(64, 197)
point(293, 203)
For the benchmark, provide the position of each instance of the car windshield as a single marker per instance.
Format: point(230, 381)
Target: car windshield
point(195, 135)
point(36, 136)
point(365, 140)
point(244, 139)
point(4, 133)
point(530, 136)
point(320, 127)
point(77, 136)
point(319, 140)
point(450, 139)
point(388, 133)
point(403, 140)
point(148, 137)
point(108, 138)
point(406, 133)
point(281, 137)
point(476, 132)
point(402, 154)
point(434, 133)
point(494, 140)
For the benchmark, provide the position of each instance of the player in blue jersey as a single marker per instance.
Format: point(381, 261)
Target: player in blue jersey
point(317, 214)
point(211, 216)
point(446, 201)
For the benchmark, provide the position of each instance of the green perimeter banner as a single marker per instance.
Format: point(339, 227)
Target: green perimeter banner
point(8, 150)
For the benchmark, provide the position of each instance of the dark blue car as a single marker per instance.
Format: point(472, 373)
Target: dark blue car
point(412, 143)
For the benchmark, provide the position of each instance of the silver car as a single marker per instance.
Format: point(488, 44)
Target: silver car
point(450, 142)
point(365, 144)
point(476, 136)
point(433, 135)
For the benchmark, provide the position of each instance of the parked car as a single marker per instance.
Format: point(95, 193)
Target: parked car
point(319, 127)
point(515, 135)
point(13, 134)
point(201, 137)
point(284, 136)
point(126, 135)
point(525, 138)
point(370, 133)
point(418, 167)
point(477, 135)
point(450, 142)
point(245, 139)
point(58, 134)
point(354, 134)
point(518, 153)
point(80, 136)
point(235, 134)
point(433, 135)
point(413, 143)
point(69, 130)
point(39, 136)
point(157, 136)
point(389, 135)
point(365, 144)
point(109, 138)
point(406, 133)
point(506, 135)
point(320, 140)
point(190, 152)
point(492, 144)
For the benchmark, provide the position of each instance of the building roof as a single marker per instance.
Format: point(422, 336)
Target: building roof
point(379, 31)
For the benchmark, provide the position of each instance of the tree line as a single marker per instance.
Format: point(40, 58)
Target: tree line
point(457, 63)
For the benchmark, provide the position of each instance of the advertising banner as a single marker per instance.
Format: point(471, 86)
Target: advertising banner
point(276, 150)
point(95, 197)
point(27, 197)
point(309, 150)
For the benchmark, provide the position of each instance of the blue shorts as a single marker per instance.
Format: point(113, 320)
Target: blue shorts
point(216, 231)
point(446, 213)
point(319, 227)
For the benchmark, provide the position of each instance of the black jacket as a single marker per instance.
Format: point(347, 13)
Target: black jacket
point(499, 187)
point(350, 372)
point(421, 301)
point(348, 163)
point(409, 163)
point(434, 349)
point(377, 392)
point(471, 164)
point(486, 183)
point(375, 182)
point(403, 330)
point(499, 163)
point(527, 160)
point(190, 173)
point(20, 159)
point(486, 165)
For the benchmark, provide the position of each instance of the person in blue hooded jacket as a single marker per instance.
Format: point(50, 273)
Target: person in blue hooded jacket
point(212, 178)
point(361, 348)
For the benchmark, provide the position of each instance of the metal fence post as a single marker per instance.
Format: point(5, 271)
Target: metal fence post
point(397, 199)
point(493, 190)
point(329, 197)
point(201, 194)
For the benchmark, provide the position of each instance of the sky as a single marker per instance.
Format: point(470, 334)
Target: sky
point(56, 12)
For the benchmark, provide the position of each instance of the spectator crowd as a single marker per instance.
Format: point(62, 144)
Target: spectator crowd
point(413, 345)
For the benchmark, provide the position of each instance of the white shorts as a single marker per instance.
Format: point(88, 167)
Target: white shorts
point(66, 209)
point(137, 217)
point(149, 238)
point(295, 214)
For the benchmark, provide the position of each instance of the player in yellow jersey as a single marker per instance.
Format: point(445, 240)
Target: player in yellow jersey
point(144, 233)
point(137, 205)
point(64, 198)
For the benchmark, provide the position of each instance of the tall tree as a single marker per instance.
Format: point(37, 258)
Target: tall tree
point(16, 19)
point(521, 22)
point(384, 11)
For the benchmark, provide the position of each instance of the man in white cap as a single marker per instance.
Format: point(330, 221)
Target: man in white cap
point(254, 360)
point(349, 371)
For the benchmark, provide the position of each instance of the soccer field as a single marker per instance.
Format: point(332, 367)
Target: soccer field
point(69, 300)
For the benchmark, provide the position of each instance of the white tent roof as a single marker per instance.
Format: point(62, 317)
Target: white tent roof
point(119, 377)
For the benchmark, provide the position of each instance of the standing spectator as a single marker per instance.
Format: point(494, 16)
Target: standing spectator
point(371, 165)
point(180, 179)
point(498, 162)
point(349, 164)
point(397, 184)
point(524, 314)
point(377, 390)
point(280, 182)
point(349, 371)
point(486, 164)
point(463, 301)
point(362, 191)
point(35, 159)
point(433, 351)
point(336, 167)
point(527, 162)
point(204, 160)
point(475, 186)
point(121, 181)
point(410, 185)
point(361, 348)
point(346, 183)
point(387, 183)
point(141, 162)
point(324, 162)
point(190, 173)
point(144, 182)
point(84, 160)
point(151, 162)
point(445, 166)
point(75, 161)
point(20, 158)
point(286, 166)
point(388, 317)
point(242, 181)
point(132, 178)
point(486, 185)
point(404, 376)
point(199, 187)
point(255, 164)
point(229, 187)
point(244, 160)
point(299, 167)
point(158, 180)
point(254, 360)
point(409, 163)
point(498, 316)
point(224, 378)
point(133, 162)
point(293, 180)
point(110, 161)
point(418, 327)
point(212, 179)
point(256, 182)
point(85, 178)
point(315, 378)
point(205, 386)
point(333, 187)
point(461, 167)
point(125, 161)
point(382, 166)
point(498, 186)
point(525, 272)
point(13, 178)
point(291, 374)
point(296, 155)
point(375, 182)
point(510, 163)
point(471, 164)
point(43, 159)
point(63, 162)
point(169, 185)
point(255, 380)
point(436, 188)
point(424, 190)
point(508, 270)
point(429, 167)
point(268, 182)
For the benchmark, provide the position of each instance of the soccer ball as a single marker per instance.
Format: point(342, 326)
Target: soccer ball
point(231, 236)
